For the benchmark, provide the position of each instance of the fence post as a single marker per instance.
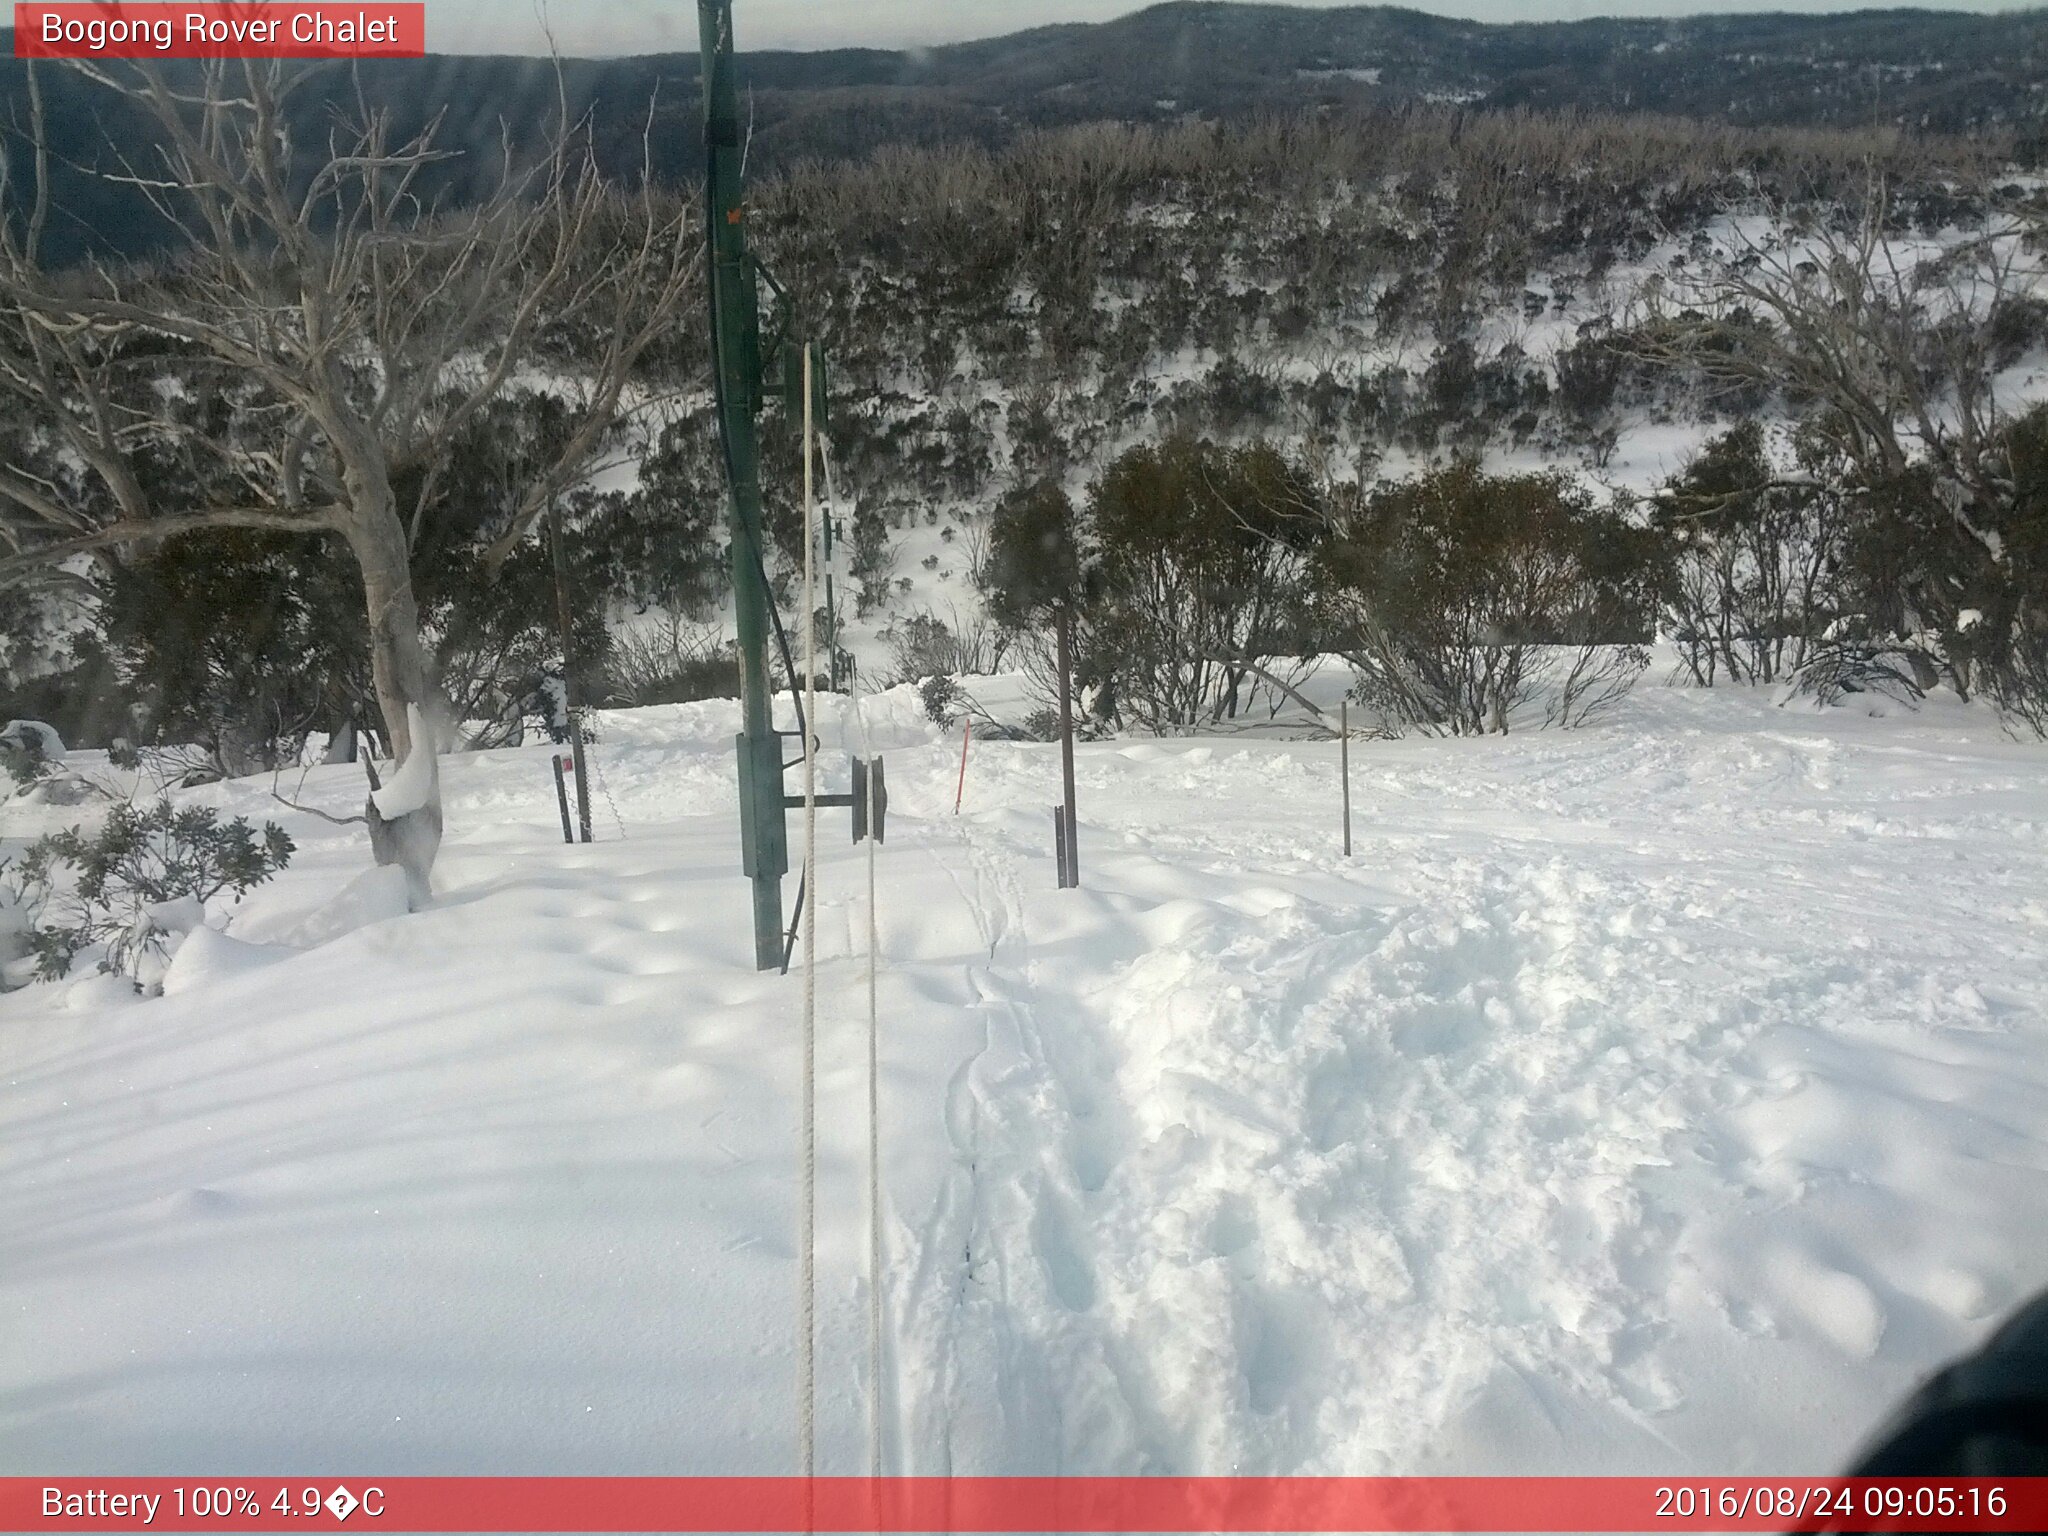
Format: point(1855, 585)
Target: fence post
point(960, 795)
point(562, 797)
point(1070, 866)
point(572, 706)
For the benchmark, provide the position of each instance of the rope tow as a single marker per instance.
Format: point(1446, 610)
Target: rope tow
point(817, 454)
point(808, 1236)
point(858, 736)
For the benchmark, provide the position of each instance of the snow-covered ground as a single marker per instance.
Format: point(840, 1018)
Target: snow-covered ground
point(1664, 1096)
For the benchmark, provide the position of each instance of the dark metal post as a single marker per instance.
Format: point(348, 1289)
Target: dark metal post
point(1071, 866)
point(831, 607)
point(562, 797)
point(736, 373)
point(1344, 756)
point(570, 702)
point(1059, 842)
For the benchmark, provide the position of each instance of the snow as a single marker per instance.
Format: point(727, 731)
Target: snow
point(1650, 454)
point(1667, 1096)
point(412, 787)
point(205, 958)
point(19, 733)
point(15, 924)
point(374, 896)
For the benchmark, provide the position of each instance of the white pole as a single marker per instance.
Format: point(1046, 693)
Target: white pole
point(875, 1319)
point(877, 1254)
point(808, 1386)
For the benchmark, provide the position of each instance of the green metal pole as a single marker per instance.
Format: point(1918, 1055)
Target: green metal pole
point(736, 358)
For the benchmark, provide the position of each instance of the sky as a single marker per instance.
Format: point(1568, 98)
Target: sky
point(596, 28)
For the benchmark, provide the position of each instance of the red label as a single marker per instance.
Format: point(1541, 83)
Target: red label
point(231, 31)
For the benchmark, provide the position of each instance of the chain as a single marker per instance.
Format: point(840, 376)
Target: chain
point(597, 768)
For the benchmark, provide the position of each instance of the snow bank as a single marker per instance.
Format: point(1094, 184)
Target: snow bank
point(374, 896)
point(206, 958)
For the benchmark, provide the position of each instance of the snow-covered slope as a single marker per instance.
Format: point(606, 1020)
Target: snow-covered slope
point(1663, 1096)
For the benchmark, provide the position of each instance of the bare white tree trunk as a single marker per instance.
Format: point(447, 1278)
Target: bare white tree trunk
point(368, 332)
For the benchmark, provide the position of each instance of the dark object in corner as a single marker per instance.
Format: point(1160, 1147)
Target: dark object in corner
point(1984, 1416)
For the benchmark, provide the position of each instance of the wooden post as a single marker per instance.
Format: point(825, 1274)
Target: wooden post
point(967, 737)
point(1344, 754)
point(1071, 872)
point(570, 703)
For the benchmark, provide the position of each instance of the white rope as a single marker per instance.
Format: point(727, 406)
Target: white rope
point(877, 1320)
point(808, 1378)
point(874, 1164)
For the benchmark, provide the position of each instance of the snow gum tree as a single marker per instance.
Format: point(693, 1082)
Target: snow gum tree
point(350, 327)
point(1899, 355)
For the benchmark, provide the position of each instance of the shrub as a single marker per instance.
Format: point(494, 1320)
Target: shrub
point(141, 878)
point(2007, 639)
point(671, 663)
point(29, 753)
point(1194, 584)
point(1589, 376)
point(1459, 597)
point(923, 645)
point(1756, 559)
point(1851, 659)
point(1034, 563)
point(941, 697)
point(2020, 686)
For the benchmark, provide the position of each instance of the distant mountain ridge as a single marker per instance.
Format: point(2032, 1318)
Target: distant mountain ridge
point(1917, 70)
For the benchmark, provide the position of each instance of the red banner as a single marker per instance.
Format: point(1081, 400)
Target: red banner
point(1006, 1504)
point(230, 31)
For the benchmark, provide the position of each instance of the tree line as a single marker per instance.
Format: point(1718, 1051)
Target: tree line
point(299, 475)
point(1202, 581)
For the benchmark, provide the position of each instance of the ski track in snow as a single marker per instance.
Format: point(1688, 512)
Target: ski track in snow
point(1667, 1096)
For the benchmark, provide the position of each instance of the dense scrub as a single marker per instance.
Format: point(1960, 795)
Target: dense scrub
point(1329, 307)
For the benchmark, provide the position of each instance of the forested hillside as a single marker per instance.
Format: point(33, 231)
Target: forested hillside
point(1367, 296)
point(1921, 71)
point(1810, 347)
